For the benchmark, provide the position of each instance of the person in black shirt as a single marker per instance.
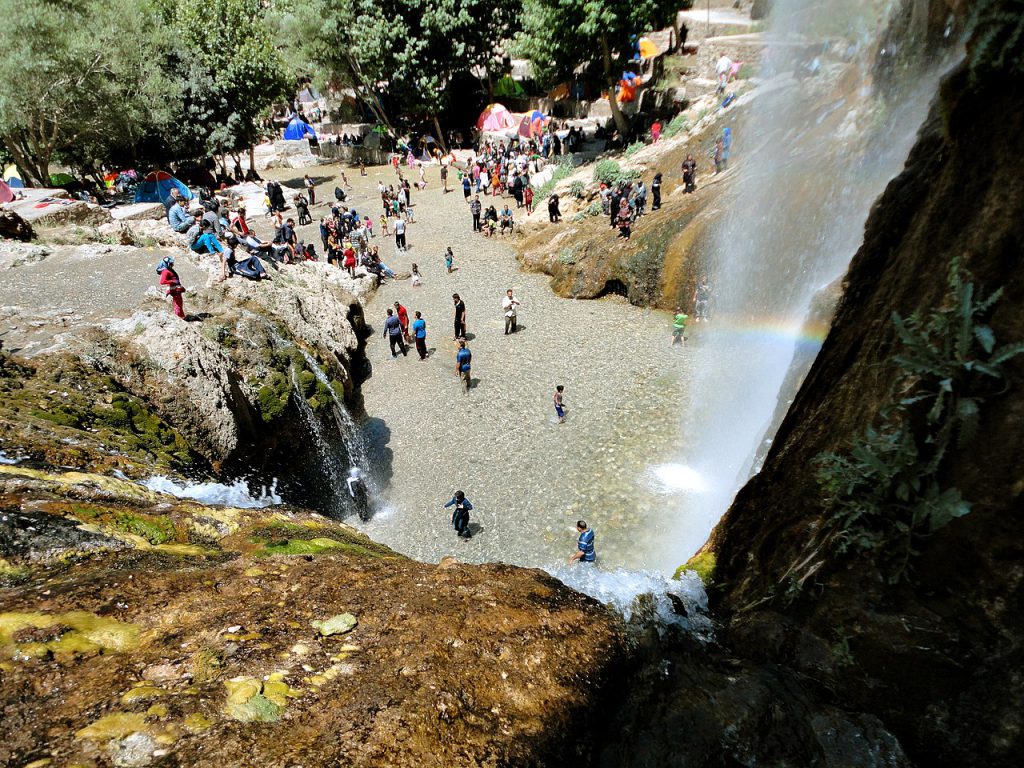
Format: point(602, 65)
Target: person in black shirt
point(656, 192)
point(460, 317)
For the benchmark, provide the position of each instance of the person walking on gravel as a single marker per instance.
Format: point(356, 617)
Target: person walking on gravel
point(559, 403)
point(400, 234)
point(460, 317)
point(463, 363)
point(509, 305)
point(419, 332)
point(393, 332)
point(475, 207)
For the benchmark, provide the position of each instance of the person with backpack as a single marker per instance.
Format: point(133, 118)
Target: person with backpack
point(169, 278)
point(460, 515)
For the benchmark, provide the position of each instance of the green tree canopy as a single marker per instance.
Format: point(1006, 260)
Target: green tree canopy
point(559, 35)
point(80, 78)
point(415, 47)
point(230, 70)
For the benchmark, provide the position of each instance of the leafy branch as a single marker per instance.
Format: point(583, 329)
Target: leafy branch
point(884, 494)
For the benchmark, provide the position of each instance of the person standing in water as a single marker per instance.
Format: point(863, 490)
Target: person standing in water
point(679, 327)
point(584, 544)
point(559, 404)
point(701, 300)
point(460, 515)
point(689, 174)
point(656, 192)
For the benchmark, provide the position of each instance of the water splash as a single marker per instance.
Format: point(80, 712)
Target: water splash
point(647, 595)
point(815, 154)
point(236, 494)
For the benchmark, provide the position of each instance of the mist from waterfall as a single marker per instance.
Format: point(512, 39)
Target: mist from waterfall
point(811, 159)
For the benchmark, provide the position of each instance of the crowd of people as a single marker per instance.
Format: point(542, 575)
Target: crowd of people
point(501, 170)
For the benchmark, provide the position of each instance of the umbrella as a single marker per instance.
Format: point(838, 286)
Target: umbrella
point(648, 49)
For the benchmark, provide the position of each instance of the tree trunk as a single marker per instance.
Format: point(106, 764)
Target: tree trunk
point(252, 158)
point(440, 136)
point(620, 119)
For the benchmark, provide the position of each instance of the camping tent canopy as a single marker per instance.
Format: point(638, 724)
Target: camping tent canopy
point(495, 118)
point(506, 87)
point(297, 129)
point(156, 188)
point(12, 177)
point(648, 49)
point(532, 124)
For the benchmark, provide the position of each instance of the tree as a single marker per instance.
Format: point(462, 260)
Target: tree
point(232, 73)
point(559, 35)
point(80, 77)
point(409, 49)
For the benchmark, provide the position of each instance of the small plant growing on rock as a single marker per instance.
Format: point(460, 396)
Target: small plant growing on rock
point(577, 189)
point(884, 493)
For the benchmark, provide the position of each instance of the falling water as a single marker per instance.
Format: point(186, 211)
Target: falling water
point(351, 435)
point(812, 158)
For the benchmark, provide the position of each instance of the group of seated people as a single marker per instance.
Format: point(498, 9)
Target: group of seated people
point(492, 219)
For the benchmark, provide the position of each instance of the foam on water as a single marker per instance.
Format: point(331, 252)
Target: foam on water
point(676, 478)
point(655, 597)
point(235, 495)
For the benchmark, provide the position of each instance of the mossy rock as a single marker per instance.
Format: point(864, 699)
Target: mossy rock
point(703, 564)
point(274, 397)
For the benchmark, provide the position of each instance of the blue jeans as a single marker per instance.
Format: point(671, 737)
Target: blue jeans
point(208, 243)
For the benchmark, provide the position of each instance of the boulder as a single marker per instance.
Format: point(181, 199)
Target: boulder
point(13, 227)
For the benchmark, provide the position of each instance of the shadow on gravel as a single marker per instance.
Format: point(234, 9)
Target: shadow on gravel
point(378, 452)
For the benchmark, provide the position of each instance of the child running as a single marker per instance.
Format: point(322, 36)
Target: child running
point(559, 404)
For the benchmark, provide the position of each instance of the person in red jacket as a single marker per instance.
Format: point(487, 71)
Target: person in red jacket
point(403, 320)
point(175, 290)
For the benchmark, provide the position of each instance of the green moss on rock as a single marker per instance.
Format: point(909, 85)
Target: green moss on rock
point(703, 564)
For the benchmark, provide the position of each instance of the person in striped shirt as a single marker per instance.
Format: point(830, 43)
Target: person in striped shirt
point(585, 545)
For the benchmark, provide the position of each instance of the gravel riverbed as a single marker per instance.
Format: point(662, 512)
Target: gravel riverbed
point(528, 477)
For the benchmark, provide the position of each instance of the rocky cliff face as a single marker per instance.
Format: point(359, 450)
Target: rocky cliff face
point(866, 578)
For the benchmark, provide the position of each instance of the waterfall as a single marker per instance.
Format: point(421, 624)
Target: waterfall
point(335, 469)
point(814, 154)
point(351, 436)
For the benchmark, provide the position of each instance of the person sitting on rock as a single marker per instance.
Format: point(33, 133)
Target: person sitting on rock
point(506, 219)
point(178, 218)
point(249, 266)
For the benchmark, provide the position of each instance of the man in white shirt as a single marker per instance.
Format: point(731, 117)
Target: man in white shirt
point(400, 234)
point(509, 304)
point(722, 69)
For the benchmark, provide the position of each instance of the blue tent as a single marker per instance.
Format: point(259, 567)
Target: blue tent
point(297, 129)
point(156, 188)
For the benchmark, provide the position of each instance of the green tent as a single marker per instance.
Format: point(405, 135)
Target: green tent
point(507, 87)
point(61, 179)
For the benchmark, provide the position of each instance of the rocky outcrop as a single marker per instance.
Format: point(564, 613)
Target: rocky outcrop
point(199, 635)
point(941, 626)
point(13, 227)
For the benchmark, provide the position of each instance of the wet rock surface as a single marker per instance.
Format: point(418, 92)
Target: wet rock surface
point(229, 652)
